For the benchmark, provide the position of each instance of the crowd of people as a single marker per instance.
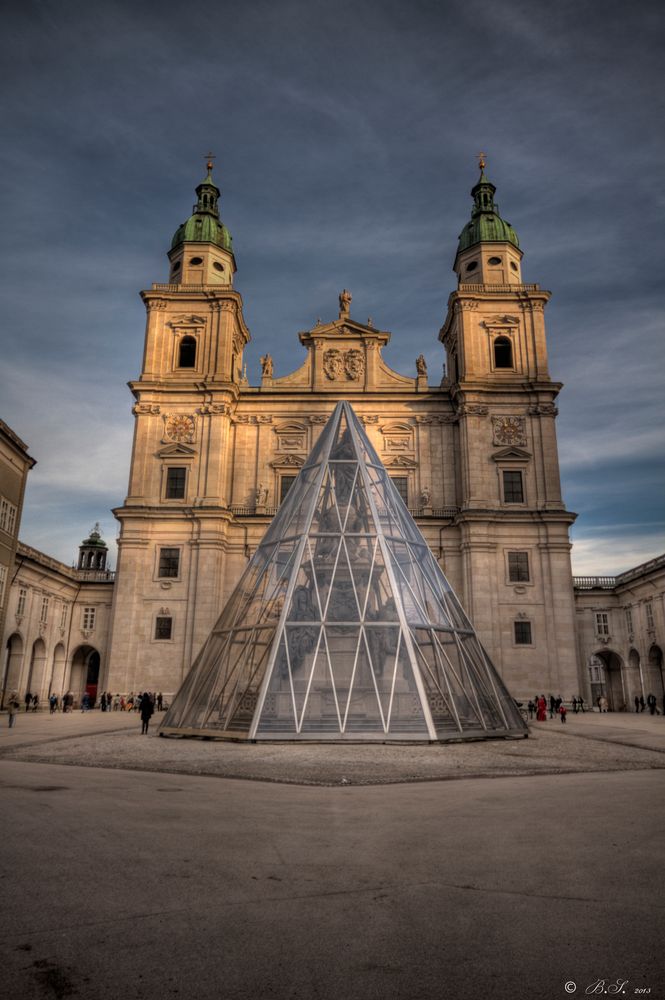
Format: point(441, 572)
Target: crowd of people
point(144, 703)
point(539, 705)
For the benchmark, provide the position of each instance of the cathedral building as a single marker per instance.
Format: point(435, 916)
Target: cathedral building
point(474, 455)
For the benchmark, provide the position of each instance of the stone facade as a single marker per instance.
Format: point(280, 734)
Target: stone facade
point(57, 629)
point(621, 634)
point(475, 457)
point(15, 463)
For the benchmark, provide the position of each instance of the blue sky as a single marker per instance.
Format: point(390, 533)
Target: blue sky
point(345, 137)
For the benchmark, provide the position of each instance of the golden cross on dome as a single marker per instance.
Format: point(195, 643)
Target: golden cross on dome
point(209, 158)
point(481, 160)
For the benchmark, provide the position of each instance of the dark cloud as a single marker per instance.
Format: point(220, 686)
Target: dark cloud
point(345, 137)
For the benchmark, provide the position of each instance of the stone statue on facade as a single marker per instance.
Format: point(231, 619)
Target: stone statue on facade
point(261, 495)
point(425, 496)
point(345, 299)
point(266, 366)
point(421, 365)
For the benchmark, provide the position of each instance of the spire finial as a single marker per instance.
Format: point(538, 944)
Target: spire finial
point(209, 157)
point(481, 160)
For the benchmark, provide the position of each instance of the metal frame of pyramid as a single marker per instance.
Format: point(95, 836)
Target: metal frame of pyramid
point(343, 626)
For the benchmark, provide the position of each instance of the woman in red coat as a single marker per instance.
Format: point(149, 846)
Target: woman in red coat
point(541, 715)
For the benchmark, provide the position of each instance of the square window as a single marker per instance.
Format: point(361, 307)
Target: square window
point(163, 627)
point(401, 484)
point(175, 483)
point(285, 484)
point(169, 562)
point(513, 489)
point(518, 567)
point(522, 633)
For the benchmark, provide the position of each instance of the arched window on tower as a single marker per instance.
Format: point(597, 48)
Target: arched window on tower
point(503, 353)
point(187, 353)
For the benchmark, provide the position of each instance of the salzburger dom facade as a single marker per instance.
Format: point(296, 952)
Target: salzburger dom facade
point(473, 454)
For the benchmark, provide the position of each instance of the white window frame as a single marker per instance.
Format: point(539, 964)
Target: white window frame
point(602, 623)
point(3, 582)
point(43, 614)
point(648, 611)
point(22, 599)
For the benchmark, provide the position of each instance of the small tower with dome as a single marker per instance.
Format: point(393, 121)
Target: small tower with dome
point(93, 551)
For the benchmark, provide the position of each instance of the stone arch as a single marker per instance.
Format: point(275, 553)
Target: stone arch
point(655, 681)
point(12, 666)
point(84, 672)
point(37, 673)
point(613, 682)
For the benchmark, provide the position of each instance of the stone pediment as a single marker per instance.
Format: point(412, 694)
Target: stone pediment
point(177, 450)
point(401, 462)
point(282, 461)
point(512, 454)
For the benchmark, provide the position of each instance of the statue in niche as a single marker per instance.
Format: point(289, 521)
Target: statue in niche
point(382, 642)
point(344, 475)
point(343, 449)
point(425, 496)
point(342, 606)
point(328, 527)
point(301, 640)
point(266, 366)
point(421, 365)
point(345, 299)
point(261, 495)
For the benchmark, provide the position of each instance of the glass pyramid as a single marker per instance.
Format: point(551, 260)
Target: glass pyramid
point(343, 626)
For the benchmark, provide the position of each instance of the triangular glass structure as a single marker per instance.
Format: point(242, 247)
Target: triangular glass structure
point(343, 626)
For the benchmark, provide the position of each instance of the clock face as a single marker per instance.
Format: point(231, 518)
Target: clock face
point(509, 430)
point(180, 427)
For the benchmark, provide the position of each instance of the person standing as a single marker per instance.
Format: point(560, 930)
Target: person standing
point(562, 711)
point(147, 709)
point(13, 706)
point(541, 705)
point(651, 702)
point(574, 704)
point(28, 700)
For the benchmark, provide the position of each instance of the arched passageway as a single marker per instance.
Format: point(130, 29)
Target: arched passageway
point(654, 681)
point(84, 673)
point(57, 682)
point(36, 680)
point(607, 678)
point(11, 675)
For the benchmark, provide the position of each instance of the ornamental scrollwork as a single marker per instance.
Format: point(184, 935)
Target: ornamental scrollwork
point(143, 408)
point(354, 364)
point(333, 365)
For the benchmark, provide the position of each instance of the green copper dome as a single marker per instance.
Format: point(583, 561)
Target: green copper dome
point(204, 225)
point(486, 225)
